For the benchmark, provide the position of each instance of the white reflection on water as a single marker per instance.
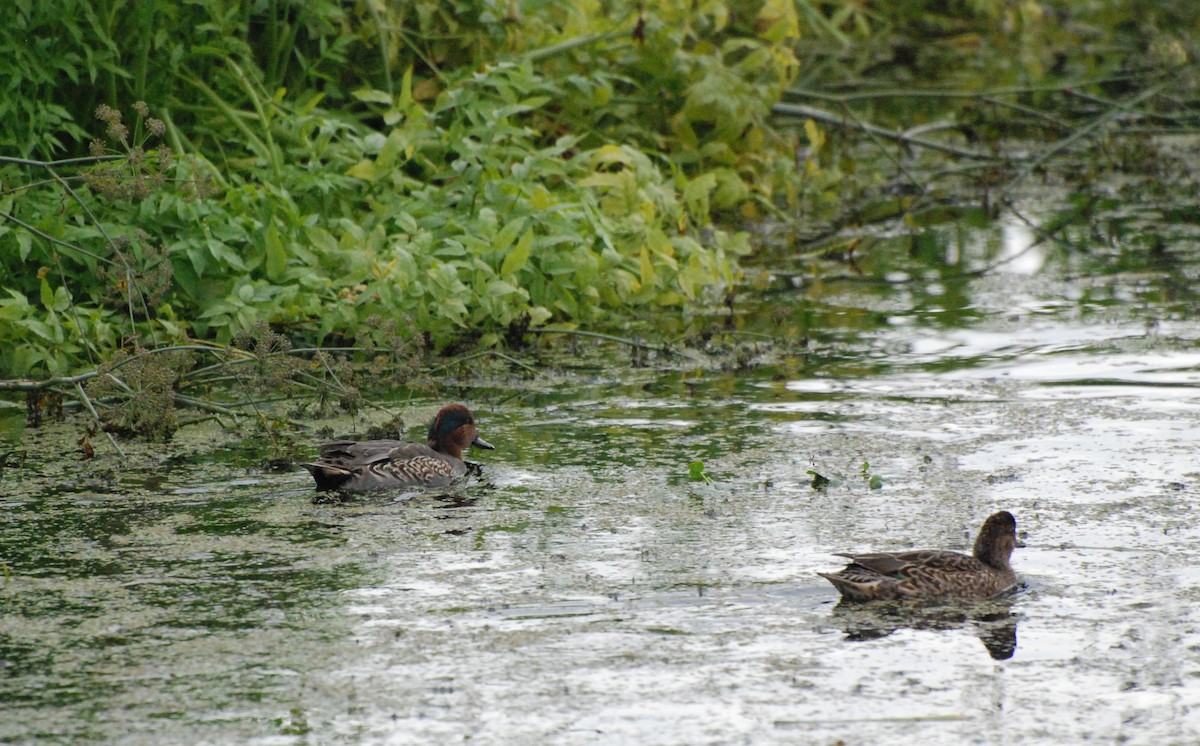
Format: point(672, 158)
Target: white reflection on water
point(1021, 253)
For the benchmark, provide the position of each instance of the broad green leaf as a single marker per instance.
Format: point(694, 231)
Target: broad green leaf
point(501, 288)
point(506, 235)
point(453, 309)
point(698, 189)
point(730, 190)
point(396, 143)
point(541, 198)
point(648, 275)
point(14, 308)
point(373, 96)
point(517, 258)
point(47, 295)
point(816, 138)
point(40, 328)
point(223, 252)
point(321, 239)
point(406, 95)
point(62, 298)
point(276, 256)
point(364, 170)
point(610, 154)
point(662, 247)
point(603, 180)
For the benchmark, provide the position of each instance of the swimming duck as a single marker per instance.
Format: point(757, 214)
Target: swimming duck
point(384, 464)
point(933, 573)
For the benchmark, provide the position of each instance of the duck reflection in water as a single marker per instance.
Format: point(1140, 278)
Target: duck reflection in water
point(992, 621)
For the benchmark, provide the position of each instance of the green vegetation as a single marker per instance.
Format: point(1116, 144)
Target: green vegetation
point(696, 472)
point(312, 168)
point(410, 176)
point(819, 481)
point(874, 481)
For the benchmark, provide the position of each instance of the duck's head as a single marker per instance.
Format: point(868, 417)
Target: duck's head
point(997, 539)
point(453, 431)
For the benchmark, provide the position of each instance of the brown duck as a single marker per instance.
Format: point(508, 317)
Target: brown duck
point(358, 466)
point(933, 573)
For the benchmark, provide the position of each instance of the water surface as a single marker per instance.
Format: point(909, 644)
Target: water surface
point(586, 591)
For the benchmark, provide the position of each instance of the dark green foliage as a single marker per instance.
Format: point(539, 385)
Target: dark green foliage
point(316, 166)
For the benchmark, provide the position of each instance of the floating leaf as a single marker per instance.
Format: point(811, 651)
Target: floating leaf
point(819, 482)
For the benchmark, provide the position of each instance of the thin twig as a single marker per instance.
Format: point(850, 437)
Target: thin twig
point(821, 115)
point(487, 353)
point(569, 44)
point(1118, 108)
point(961, 93)
point(87, 402)
point(608, 338)
point(55, 241)
point(231, 412)
point(25, 384)
point(887, 152)
point(129, 273)
point(65, 162)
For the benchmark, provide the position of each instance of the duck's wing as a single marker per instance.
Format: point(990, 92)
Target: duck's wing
point(381, 464)
point(914, 563)
point(415, 469)
point(349, 453)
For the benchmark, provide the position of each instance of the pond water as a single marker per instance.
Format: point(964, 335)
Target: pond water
point(585, 590)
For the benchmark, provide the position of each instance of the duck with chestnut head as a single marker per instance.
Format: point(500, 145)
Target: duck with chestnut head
point(359, 466)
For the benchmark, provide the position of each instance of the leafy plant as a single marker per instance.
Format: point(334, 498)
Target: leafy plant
point(481, 183)
point(874, 481)
point(820, 481)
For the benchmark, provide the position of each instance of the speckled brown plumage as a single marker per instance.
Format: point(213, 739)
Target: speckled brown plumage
point(933, 573)
point(349, 465)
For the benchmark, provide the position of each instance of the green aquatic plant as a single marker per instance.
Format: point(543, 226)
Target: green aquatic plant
point(696, 472)
point(820, 481)
point(874, 481)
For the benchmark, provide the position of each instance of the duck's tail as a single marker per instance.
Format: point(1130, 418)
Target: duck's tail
point(327, 476)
